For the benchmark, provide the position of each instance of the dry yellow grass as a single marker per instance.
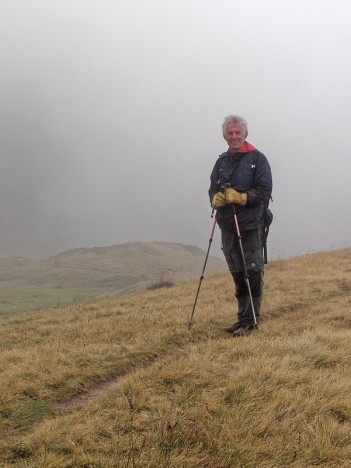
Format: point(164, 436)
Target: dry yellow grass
point(277, 398)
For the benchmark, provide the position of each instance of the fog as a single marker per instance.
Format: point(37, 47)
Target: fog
point(111, 115)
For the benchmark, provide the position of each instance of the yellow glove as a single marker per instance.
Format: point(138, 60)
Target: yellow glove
point(232, 196)
point(218, 200)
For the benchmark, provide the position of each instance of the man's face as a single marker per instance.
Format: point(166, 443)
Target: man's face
point(235, 136)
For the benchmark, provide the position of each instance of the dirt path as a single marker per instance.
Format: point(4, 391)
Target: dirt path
point(99, 387)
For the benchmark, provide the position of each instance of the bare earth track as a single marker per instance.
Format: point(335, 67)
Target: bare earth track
point(100, 387)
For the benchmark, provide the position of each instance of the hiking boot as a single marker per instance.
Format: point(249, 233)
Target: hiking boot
point(233, 327)
point(244, 330)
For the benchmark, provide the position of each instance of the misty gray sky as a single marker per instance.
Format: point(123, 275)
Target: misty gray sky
point(111, 115)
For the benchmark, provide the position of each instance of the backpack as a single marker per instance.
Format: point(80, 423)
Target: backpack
point(268, 218)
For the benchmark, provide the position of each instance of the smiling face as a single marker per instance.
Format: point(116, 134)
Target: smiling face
point(235, 136)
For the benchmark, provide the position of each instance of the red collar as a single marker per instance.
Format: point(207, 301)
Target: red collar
point(244, 149)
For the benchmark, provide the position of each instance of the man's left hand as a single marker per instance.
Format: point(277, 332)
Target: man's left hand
point(233, 196)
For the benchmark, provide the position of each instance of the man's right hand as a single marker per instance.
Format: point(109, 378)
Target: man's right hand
point(218, 201)
point(232, 196)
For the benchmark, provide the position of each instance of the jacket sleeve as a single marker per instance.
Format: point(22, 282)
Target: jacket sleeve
point(262, 189)
point(214, 185)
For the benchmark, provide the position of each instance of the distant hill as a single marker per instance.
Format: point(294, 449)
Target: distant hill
point(85, 273)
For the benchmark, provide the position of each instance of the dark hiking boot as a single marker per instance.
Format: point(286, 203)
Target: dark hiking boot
point(244, 330)
point(233, 327)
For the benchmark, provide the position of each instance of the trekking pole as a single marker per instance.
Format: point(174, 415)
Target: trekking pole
point(203, 270)
point(246, 275)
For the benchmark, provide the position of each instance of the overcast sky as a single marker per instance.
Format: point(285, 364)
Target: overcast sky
point(111, 114)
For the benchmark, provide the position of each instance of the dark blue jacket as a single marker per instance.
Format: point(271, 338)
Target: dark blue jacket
point(247, 172)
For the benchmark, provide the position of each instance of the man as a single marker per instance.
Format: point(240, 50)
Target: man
point(241, 183)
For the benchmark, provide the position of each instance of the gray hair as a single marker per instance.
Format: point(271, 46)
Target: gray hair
point(234, 119)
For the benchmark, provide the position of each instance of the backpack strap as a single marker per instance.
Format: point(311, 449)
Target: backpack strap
point(268, 217)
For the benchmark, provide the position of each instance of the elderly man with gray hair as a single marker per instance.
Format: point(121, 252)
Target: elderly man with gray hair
point(241, 186)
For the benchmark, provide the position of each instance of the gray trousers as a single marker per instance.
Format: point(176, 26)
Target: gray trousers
point(253, 253)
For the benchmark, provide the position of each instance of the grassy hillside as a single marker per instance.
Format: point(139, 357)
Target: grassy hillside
point(121, 382)
point(86, 273)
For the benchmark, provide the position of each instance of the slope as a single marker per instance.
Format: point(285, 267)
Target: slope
point(277, 398)
point(85, 273)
